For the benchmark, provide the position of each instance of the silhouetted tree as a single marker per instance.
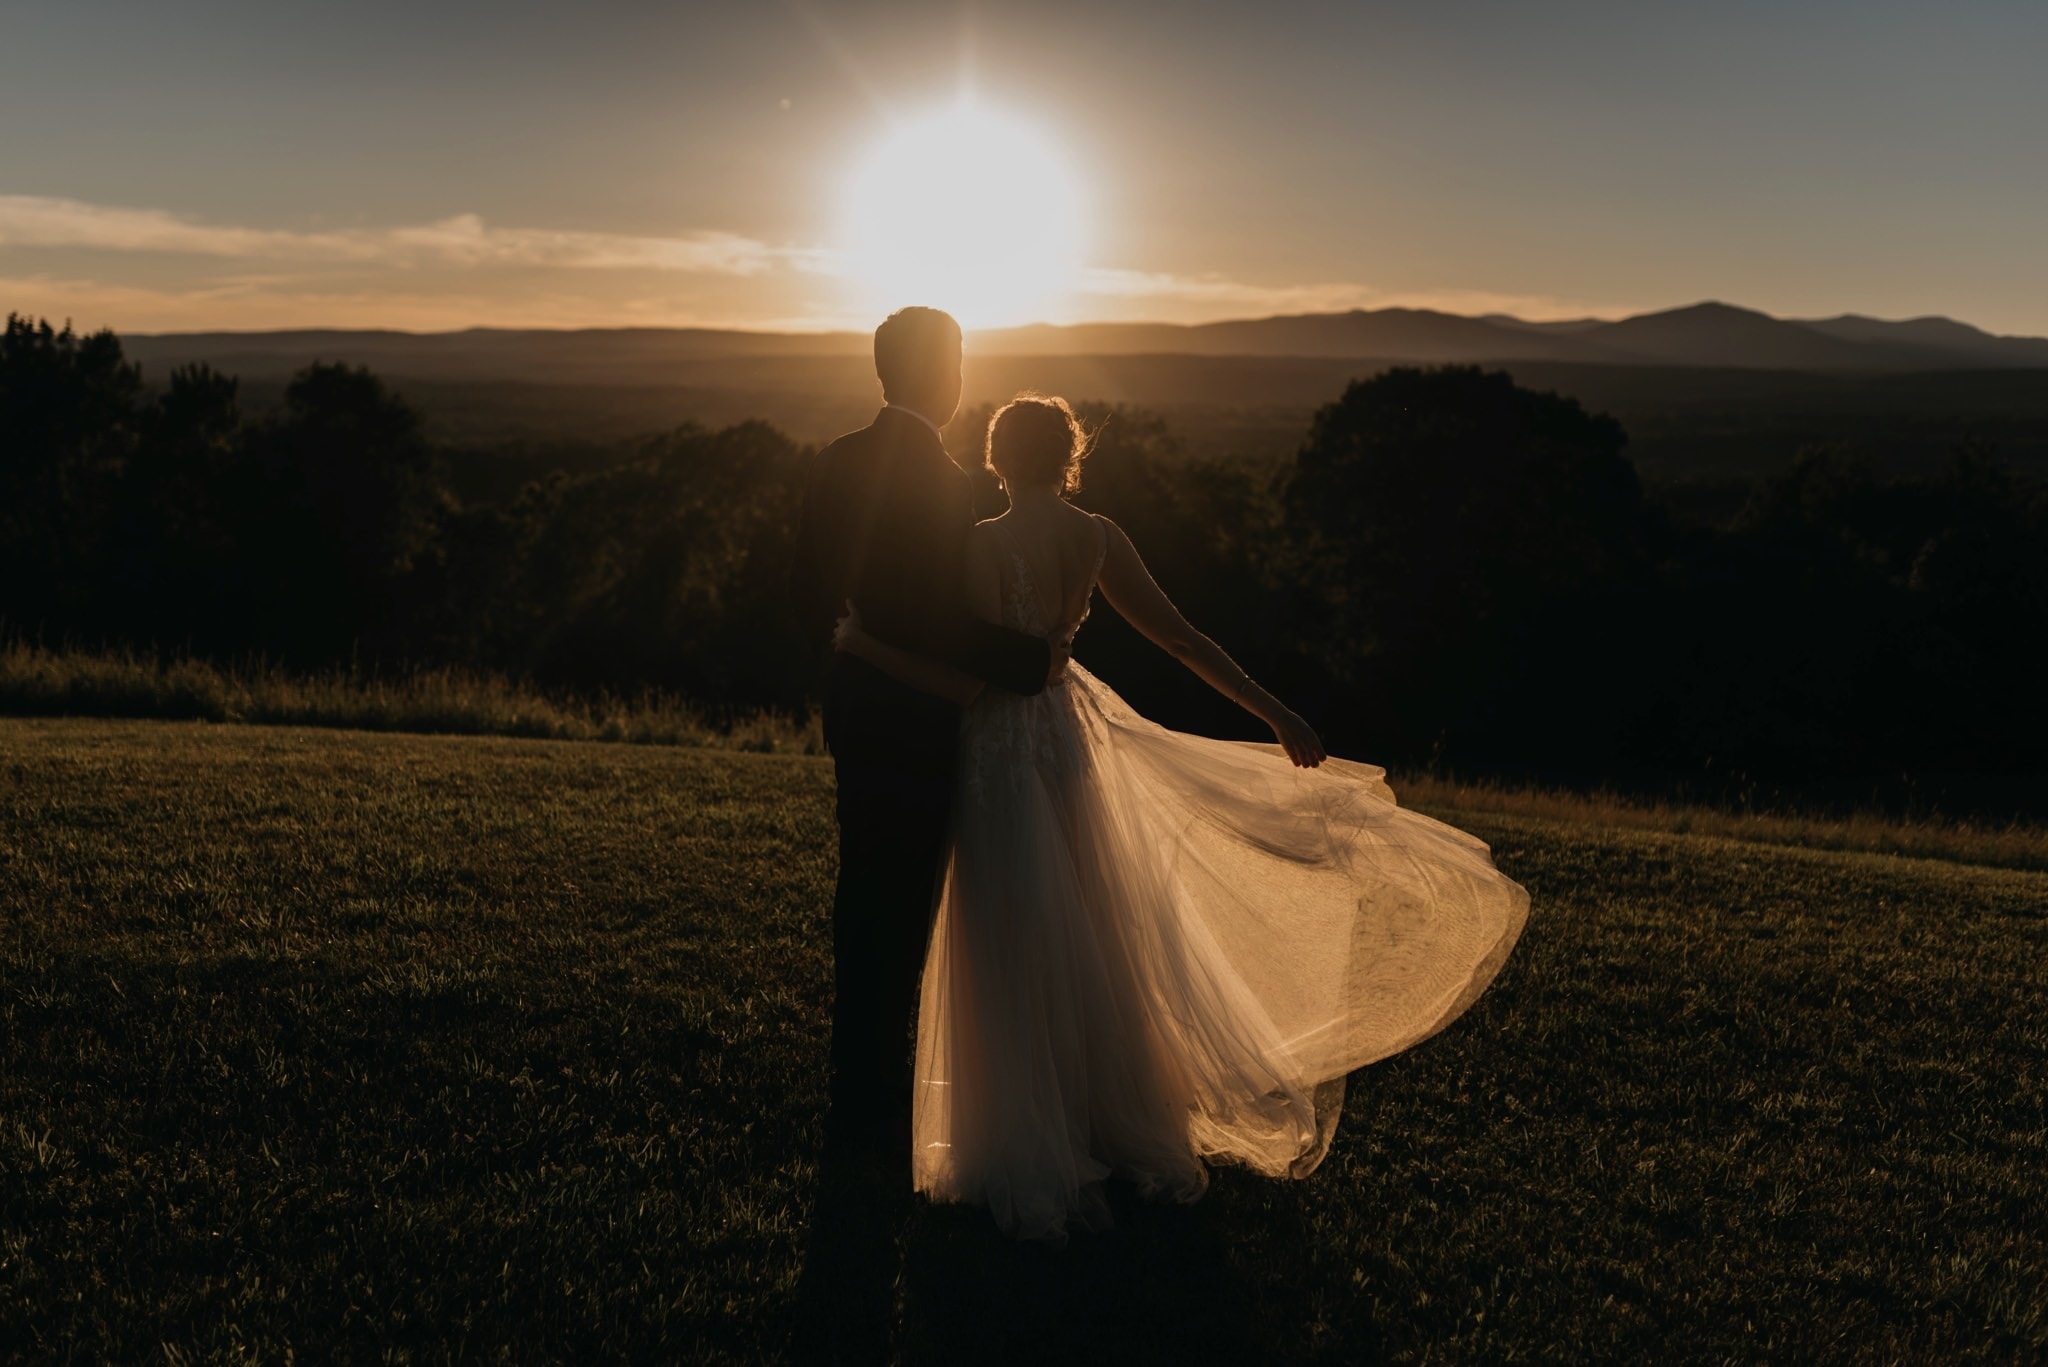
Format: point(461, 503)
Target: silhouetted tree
point(336, 499)
point(1468, 558)
point(1866, 625)
point(170, 567)
point(666, 570)
point(68, 423)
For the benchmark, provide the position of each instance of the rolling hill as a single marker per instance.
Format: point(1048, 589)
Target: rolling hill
point(1707, 392)
point(1707, 334)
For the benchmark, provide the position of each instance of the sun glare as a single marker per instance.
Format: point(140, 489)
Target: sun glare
point(965, 209)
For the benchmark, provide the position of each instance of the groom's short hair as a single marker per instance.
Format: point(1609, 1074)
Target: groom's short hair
point(911, 344)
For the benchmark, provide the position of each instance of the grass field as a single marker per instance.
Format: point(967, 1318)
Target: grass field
point(378, 1047)
point(39, 682)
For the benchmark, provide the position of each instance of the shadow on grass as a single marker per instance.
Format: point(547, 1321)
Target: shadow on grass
point(847, 1288)
point(1159, 1286)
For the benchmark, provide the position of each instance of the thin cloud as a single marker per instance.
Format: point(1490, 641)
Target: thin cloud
point(279, 271)
point(463, 240)
point(1218, 296)
point(259, 303)
point(1223, 291)
point(34, 221)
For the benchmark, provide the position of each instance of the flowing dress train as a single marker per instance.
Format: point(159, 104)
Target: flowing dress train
point(1155, 950)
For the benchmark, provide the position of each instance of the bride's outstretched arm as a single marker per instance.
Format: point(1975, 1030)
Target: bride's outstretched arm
point(1130, 589)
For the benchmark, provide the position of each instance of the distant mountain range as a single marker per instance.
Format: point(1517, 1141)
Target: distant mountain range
point(1707, 334)
point(1702, 335)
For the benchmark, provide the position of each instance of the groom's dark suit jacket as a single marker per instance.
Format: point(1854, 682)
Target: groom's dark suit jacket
point(885, 525)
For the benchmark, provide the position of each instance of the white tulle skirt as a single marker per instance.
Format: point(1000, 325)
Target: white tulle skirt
point(1156, 950)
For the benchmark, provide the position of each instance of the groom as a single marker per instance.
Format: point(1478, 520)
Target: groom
point(885, 526)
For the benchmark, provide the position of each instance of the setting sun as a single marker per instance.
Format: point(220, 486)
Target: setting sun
point(966, 209)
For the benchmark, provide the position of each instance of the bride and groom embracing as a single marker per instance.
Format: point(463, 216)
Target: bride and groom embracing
point(1126, 951)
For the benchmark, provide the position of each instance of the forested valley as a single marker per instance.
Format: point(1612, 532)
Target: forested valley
point(1450, 569)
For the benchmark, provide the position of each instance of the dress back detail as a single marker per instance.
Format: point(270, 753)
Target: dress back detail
point(1025, 608)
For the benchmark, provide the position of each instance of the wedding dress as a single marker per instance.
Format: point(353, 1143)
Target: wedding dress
point(1156, 950)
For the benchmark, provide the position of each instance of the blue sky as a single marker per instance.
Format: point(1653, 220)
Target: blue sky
point(438, 165)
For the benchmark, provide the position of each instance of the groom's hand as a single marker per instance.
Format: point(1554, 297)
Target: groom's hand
point(848, 629)
point(1062, 655)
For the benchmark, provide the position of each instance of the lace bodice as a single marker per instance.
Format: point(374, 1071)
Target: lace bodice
point(1005, 737)
point(1025, 608)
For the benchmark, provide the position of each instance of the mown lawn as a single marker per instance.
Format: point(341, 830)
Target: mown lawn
point(386, 1047)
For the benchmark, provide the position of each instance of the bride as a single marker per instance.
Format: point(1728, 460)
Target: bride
point(1157, 950)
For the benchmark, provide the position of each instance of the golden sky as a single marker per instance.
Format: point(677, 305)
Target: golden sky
point(229, 164)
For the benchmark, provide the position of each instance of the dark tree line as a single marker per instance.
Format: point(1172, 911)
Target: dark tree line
point(325, 533)
point(1451, 567)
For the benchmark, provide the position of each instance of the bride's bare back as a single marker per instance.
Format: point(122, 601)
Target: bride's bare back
point(1060, 549)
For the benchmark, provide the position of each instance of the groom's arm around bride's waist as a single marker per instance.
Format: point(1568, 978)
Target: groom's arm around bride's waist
point(915, 590)
point(896, 546)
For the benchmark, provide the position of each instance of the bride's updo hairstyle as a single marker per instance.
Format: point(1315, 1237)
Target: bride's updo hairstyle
point(1035, 441)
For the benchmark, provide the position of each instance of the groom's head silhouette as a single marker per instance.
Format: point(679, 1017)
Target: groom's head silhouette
point(917, 356)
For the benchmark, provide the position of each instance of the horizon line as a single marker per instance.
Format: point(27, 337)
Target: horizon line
point(795, 328)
